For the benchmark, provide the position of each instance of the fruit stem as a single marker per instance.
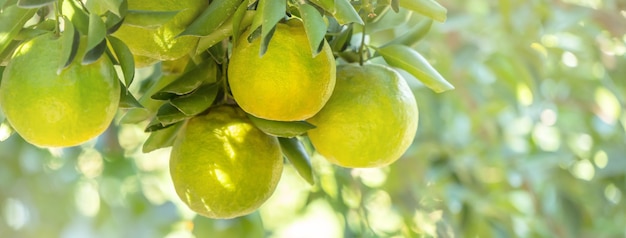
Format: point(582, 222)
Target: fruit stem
point(57, 17)
point(362, 47)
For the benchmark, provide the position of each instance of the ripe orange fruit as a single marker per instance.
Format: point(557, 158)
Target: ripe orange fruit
point(370, 120)
point(50, 109)
point(224, 167)
point(150, 45)
point(287, 83)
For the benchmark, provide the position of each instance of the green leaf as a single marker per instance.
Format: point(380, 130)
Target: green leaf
point(273, 12)
point(112, 22)
point(345, 13)
point(135, 115)
point(77, 15)
point(97, 31)
point(281, 128)
point(341, 41)
point(127, 100)
point(395, 5)
point(414, 35)
point(213, 16)
point(168, 114)
point(206, 72)
point(124, 57)
point(237, 19)
point(408, 59)
point(148, 19)
point(428, 8)
point(156, 125)
point(327, 5)
point(314, 26)
point(198, 101)
point(69, 44)
point(12, 19)
point(161, 138)
point(33, 3)
point(100, 7)
point(293, 149)
point(94, 54)
point(224, 31)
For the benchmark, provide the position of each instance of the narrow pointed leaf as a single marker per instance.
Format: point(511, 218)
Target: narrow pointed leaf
point(77, 16)
point(428, 8)
point(113, 22)
point(124, 57)
point(340, 42)
point(94, 54)
point(237, 21)
point(148, 19)
point(168, 114)
point(135, 115)
point(293, 149)
point(327, 5)
point(156, 125)
point(395, 5)
point(224, 31)
point(281, 128)
point(161, 138)
point(414, 35)
point(198, 101)
point(191, 80)
point(33, 3)
point(97, 31)
point(12, 19)
point(214, 16)
point(273, 12)
point(69, 44)
point(408, 59)
point(314, 26)
point(345, 13)
point(127, 100)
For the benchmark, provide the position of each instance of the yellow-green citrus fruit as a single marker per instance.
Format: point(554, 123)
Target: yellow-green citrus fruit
point(223, 166)
point(55, 110)
point(161, 43)
point(287, 83)
point(370, 120)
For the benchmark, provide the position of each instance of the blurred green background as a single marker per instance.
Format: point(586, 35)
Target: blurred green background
point(530, 144)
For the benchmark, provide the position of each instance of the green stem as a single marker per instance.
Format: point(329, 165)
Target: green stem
point(57, 16)
point(362, 47)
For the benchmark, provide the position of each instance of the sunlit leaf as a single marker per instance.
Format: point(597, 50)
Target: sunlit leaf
point(281, 128)
point(127, 100)
point(33, 3)
point(408, 59)
point(97, 31)
point(293, 149)
point(124, 57)
point(77, 15)
point(428, 8)
point(345, 13)
point(69, 45)
point(191, 80)
point(327, 5)
point(198, 101)
point(218, 12)
point(12, 19)
point(224, 31)
point(314, 26)
point(148, 19)
point(161, 138)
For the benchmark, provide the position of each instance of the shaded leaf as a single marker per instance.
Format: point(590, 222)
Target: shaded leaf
point(428, 8)
point(12, 19)
point(395, 5)
point(408, 59)
point(113, 22)
point(148, 19)
point(293, 149)
point(168, 114)
point(218, 12)
point(94, 54)
point(33, 3)
point(314, 26)
point(273, 12)
point(281, 128)
point(161, 138)
point(156, 125)
point(135, 115)
point(206, 72)
point(237, 21)
point(341, 41)
point(124, 57)
point(345, 13)
point(198, 101)
point(127, 100)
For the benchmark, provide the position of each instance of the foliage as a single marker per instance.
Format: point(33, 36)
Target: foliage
point(529, 144)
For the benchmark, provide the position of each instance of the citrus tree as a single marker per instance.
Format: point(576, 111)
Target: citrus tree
point(239, 84)
point(231, 118)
